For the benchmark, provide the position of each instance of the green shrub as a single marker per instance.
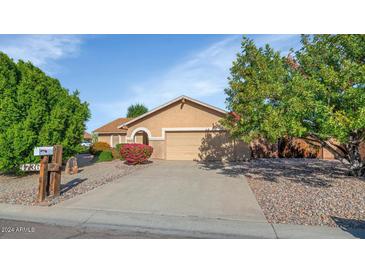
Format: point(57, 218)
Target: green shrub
point(115, 153)
point(117, 148)
point(98, 147)
point(83, 150)
point(105, 156)
point(35, 110)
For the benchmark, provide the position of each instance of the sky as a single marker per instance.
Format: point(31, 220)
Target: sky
point(114, 71)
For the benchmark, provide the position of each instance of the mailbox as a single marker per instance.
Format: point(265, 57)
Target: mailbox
point(42, 151)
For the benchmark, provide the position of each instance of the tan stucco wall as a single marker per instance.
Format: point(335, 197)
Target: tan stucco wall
point(158, 149)
point(138, 138)
point(116, 138)
point(177, 115)
point(104, 138)
point(327, 155)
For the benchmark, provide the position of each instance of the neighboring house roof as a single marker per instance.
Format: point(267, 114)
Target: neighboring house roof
point(87, 136)
point(124, 124)
point(235, 115)
point(113, 126)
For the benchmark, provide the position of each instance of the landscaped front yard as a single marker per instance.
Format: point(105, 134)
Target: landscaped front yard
point(23, 190)
point(293, 191)
point(307, 191)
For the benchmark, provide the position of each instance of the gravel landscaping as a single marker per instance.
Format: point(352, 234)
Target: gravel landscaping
point(23, 190)
point(307, 191)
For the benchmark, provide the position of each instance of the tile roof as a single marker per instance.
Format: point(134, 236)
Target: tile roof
point(87, 135)
point(112, 127)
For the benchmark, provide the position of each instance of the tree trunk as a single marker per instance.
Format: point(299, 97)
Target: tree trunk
point(348, 154)
point(357, 165)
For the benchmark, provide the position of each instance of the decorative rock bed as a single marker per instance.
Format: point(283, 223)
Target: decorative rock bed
point(307, 191)
point(23, 190)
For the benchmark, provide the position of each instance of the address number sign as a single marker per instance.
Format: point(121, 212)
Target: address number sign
point(30, 167)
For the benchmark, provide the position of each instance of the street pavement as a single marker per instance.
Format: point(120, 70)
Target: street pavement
point(12, 229)
point(110, 224)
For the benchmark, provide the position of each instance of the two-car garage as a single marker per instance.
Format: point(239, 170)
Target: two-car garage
point(200, 145)
point(183, 145)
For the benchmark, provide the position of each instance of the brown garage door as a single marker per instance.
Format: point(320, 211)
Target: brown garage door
point(210, 146)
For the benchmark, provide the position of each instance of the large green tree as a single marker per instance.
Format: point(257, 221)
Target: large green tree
point(316, 93)
point(35, 110)
point(136, 110)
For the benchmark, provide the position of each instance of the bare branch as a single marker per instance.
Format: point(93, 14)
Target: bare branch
point(341, 148)
point(335, 152)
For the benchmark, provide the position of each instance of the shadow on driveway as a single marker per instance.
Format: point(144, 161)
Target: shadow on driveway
point(352, 226)
point(230, 169)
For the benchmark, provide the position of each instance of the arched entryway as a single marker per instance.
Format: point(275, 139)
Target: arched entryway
point(144, 135)
point(141, 136)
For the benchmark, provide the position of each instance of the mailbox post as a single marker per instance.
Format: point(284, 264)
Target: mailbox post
point(49, 173)
point(55, 183)
point(43, 179)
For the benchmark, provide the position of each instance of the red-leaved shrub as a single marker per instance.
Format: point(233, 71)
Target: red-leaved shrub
point(136, 153)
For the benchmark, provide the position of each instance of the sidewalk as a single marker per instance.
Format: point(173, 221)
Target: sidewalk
point(171, 225)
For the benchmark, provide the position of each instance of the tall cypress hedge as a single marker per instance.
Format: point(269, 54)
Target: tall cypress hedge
point(35, 110)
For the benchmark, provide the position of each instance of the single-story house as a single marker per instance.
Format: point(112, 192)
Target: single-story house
point(87, 136)
point(182, 129)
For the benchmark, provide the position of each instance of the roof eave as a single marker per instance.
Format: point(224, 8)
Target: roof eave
point(106, 132)
point(169, 103)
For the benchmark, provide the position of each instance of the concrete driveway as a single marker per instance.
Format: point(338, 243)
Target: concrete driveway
point(176, 188)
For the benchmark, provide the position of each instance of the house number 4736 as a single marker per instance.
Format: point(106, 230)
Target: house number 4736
point(30, 167)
